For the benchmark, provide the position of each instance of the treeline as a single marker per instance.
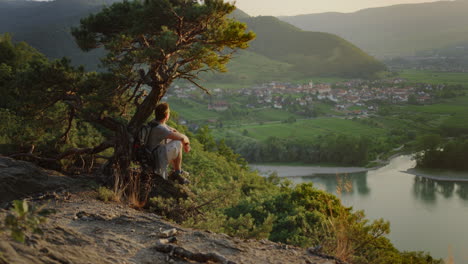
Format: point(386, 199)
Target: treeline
point(452, 155)
point(333, 148)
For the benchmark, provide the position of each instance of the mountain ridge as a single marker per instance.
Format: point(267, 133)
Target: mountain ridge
point(404, 29)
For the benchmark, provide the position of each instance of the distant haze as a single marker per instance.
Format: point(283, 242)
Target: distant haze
point(297, 7)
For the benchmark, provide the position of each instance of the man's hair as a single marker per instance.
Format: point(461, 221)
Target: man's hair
point(161, 111)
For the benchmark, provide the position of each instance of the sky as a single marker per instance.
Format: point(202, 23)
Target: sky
point(297, 7)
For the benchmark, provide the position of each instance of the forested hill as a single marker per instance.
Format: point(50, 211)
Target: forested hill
point(311, 53)
point(407, 29)
point(46, 26)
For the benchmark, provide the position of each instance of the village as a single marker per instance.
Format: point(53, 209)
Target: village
point(354, 97)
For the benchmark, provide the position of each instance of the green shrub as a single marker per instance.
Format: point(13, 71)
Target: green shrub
point(105, 194)
point(244, 227)
point(24, 218)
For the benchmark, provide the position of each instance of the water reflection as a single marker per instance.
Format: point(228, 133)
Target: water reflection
point(463, 190)
point(349, 183)
point(361, 183)
point(427, 189)
point(446, 188)
point(424, 189)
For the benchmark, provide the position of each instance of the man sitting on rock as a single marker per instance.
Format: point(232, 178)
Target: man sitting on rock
point(167, 144)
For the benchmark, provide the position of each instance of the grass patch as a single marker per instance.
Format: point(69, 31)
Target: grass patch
point(307, 129)
point(419, 76)
point(443, 109)
point(105, 194)
point(192, 110)
point(450, 114)
point(269, 114)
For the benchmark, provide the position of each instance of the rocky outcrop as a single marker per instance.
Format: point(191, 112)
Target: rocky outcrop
point(86, 230)
point(19, 179)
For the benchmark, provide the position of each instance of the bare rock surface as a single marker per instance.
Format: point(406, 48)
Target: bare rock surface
point(86, 230)
point(19, 179)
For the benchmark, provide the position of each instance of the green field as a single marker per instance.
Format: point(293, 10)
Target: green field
point(451, 115)
point(306, 129)
point(198, 112)
point(193, 111)
point(450, 107)
point(418, 76)
point(454, 110)
point(269, 114)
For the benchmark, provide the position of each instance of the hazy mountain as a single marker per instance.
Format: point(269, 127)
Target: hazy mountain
point(239, 14)
point(46, 26)
point(395, 30)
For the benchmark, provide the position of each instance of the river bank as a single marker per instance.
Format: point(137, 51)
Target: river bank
point(304, 170)
point(300, 171)
point(439, 175)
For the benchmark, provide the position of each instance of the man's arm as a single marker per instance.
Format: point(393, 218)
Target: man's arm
point(179, 136)
point(183, 138)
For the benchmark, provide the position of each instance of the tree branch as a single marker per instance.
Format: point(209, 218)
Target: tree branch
point(107, 122)
point(199, 86)
point(71, 116)
point(89, 151)
point(136, 102)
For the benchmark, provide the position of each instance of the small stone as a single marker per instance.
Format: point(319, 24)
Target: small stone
point(168, 240)
point(168, 233)
point(132, 230)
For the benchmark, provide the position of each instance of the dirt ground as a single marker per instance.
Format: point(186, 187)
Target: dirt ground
point(89, 231)
point(86, 230)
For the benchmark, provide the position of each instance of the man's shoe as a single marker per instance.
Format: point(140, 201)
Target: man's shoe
point(180, 176)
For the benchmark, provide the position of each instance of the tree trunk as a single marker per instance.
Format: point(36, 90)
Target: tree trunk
point(127, 181)
point(146, 108)
point(121, 173)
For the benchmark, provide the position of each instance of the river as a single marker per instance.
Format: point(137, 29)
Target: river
point(425, 214)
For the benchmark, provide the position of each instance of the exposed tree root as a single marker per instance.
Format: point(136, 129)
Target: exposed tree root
point(186, 254)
